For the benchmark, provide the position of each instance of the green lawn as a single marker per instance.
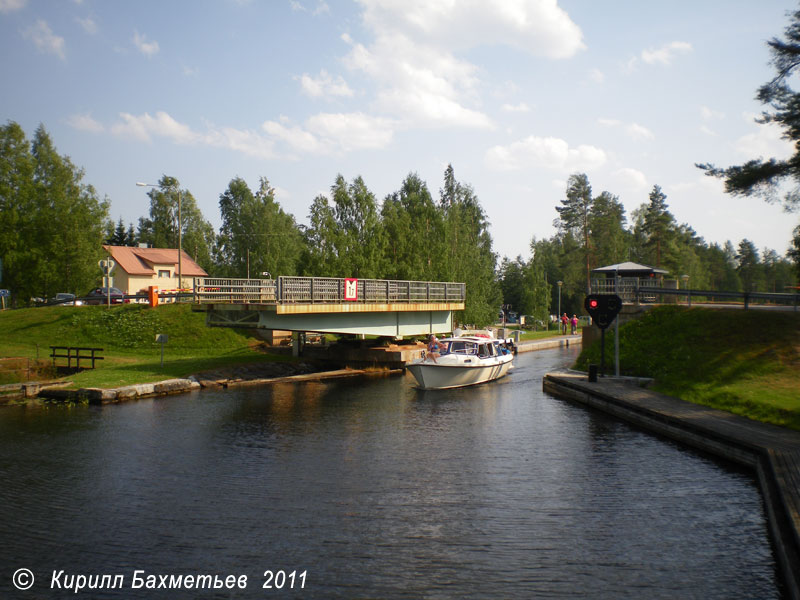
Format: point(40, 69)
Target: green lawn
point(127, 335)
point(745, 362)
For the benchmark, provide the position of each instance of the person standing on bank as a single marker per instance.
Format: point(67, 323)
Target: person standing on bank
point(564, 321)
point(574, 324)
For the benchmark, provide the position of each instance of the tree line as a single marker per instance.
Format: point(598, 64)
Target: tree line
point(53, 226)
point(594, 231)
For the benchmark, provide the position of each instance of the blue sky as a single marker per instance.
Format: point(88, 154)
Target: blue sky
point(515, 94)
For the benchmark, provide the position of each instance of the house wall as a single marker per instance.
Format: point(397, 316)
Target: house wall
point(135, 283)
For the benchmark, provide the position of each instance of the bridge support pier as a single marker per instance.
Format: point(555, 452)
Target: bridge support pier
point(298, 340)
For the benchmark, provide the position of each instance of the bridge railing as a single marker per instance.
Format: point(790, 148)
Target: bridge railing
point(632, 290)
point(323, 290)
point(234, 291)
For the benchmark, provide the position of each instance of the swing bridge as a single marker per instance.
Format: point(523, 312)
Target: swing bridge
point(379, 307)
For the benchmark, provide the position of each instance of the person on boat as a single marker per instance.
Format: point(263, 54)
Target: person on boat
point(434, 348)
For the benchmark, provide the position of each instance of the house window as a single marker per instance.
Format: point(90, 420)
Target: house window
point(163, 273)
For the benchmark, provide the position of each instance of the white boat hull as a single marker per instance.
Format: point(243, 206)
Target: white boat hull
point(441, 375)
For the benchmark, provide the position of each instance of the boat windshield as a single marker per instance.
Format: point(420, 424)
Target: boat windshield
point(461, 347)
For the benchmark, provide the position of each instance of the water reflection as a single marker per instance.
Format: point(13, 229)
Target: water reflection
point(379, 490)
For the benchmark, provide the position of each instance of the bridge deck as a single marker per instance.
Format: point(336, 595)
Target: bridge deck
point(329, 305)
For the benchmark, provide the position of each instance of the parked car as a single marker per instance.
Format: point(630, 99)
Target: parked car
point(100, 296)
point(65, 299)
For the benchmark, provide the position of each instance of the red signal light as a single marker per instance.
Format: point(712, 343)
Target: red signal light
point(593, 303)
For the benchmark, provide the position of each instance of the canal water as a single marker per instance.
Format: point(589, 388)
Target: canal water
point(369, 488)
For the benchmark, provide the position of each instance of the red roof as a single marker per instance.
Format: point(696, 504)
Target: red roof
point(145, 261)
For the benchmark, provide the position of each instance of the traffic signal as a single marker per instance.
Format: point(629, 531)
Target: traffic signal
point(603, 308)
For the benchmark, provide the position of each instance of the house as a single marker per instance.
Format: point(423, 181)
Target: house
point(632, 277)
point(139, 268)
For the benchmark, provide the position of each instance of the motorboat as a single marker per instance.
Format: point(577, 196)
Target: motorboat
point(463, 360)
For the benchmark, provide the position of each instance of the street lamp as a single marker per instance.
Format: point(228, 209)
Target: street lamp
point(558, 315)
point(685, 279)
point(180, 234)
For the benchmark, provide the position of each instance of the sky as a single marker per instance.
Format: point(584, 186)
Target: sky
point(516, 94)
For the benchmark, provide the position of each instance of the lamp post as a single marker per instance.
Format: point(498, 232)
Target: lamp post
point(685, 279)
point(558, 315)
point(180, 235)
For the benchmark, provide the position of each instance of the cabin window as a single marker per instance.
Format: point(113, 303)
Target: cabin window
point(163, 273)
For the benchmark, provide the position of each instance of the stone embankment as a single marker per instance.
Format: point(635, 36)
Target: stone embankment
point(253, 374)
point(561, 341)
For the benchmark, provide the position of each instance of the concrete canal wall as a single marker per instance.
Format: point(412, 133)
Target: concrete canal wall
point(773, 452)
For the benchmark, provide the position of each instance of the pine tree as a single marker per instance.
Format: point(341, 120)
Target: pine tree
point(120, 235)
point(574, 215)
point(659, 226)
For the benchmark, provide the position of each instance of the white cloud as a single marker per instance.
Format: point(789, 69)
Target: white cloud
point(419, 84)
point(89, 25)
point(539, 27)
point(44, 39)
point(766, 141)
point(85, 123)
point(632, 130)
point(709, 114)
point(7, 6)
point(328, 133)
point(247, 142)
point(324, 133)
point(352, 131)
point(547, 152)
point(146, 127)
point(162, 125)
point(325, 85)
point(520, 108)
point(639, 132)
point(144, 46)
point(631, 178)
point(663, 55)
point(413, 56)
point(666, 53)
point(295, 137)
point(321, 8)
point(597, 76)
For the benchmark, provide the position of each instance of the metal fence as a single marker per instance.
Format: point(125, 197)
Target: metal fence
point(633, 290)
point(229, 291)
point(324, 290)
point(627, 288)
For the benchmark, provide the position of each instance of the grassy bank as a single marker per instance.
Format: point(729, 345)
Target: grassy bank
point(745, 362)
point(127, 335)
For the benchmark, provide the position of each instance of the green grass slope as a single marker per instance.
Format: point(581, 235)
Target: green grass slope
point(127, 335)
point(745, 362)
